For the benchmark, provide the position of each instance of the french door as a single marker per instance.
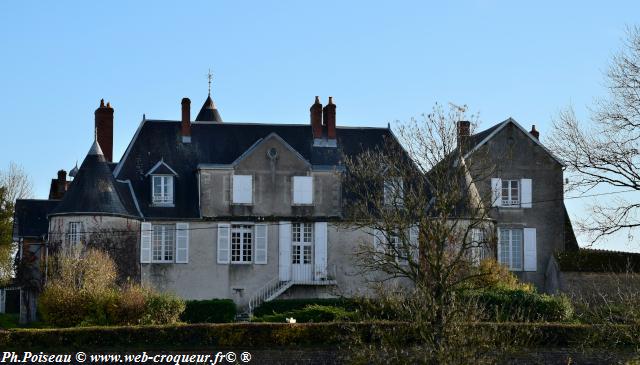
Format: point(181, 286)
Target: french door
point(302, 252)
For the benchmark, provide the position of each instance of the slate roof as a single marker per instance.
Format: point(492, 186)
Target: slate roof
point(30, 217)
point(94, 190)
point(209, 112)
point(221, 143)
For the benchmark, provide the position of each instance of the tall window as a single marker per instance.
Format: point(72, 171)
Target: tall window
point(162, 189)
point(393, 191)
point(302, 239)
point(510, 250)
point(479, 250)
point(510, 192)
point(163, 243)
point(74, 233)
point(241, 243)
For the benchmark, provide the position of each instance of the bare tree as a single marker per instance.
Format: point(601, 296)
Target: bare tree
point(606, 152)
point(14, 184)
point(429, 225)
point(17, 182)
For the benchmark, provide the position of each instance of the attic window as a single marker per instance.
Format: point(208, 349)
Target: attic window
point(162, 190)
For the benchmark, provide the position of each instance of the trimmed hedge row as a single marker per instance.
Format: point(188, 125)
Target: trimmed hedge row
point(264, 335)
point(209, 311)
point(288, 305)
point(521, 305)
point(310, 314)
point(589, 260)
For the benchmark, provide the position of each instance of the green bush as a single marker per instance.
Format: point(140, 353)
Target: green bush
point(209, 311)
point(311, 314)
point(286, 305)
point(8, 320)
point(520, 305)
point(162, 308)
point(590, 260)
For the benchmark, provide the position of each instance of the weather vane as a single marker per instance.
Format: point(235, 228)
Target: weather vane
point(210, 77)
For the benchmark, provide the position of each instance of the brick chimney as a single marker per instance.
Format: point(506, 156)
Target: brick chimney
point(59, 186)
point(316, 118)
point(104, 129)
point(464, 130)
point(534, 132)
point(186, 120)
point(329, 119)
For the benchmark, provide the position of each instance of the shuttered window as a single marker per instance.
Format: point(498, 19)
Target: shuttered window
point(302, 190)
point(510, 248)
point(242, 189)
point(163, 243)
point(241, 243)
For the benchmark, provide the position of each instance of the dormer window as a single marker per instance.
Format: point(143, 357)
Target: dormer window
point(393, 191)
point(162, 184)
point(162, 189)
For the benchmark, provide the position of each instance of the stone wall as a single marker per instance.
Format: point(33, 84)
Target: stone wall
point(586, 284)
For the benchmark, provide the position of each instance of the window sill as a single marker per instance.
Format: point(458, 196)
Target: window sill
point(242, 204)
point(162, 262)
point(302, 204)
point(240, 263)
point(162, 205)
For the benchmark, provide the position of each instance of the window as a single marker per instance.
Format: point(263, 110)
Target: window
point(479, 250)
point(391, 245)
point(163, 243)
point(242, 189)
point(241, 243)
point(510, 193)
point(74, 233)
point(302, 190)
point(162, 189)
point(393, 191)
point(510, 248)
point(302, 239)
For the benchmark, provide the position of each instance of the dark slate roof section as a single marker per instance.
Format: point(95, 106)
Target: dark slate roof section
point(93, 190)
point(221, 143)
point(30, 217)
point(209, 112)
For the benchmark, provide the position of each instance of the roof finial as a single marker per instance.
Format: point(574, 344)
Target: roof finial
point(210, 77)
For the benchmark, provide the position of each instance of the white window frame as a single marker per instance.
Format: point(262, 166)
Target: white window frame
point(166, 184)
point(74, 234)
point(163, 241)
point(240, 189)
point(302, 190)
point(245, 250)
point(510, 199)
point(510, 249)
point(303, 241)
point(393, 191)
point(479, 250)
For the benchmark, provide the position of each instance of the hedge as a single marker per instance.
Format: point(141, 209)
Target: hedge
point(288, 305)
point(521, 305)
point(209, 311)
point(269, 335)
point(311, 314)
point(590, 260)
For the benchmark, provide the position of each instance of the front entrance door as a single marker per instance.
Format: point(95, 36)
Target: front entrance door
point(301, 252)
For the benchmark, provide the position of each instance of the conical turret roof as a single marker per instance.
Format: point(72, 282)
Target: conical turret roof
point(209, 112)
point(93, 189)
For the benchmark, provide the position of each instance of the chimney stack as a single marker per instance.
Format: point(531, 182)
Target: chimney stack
point(58, 186)
point(464, 130)
point(316, 118)
point(186, 120)
point(329, 119)
point(534, 132)
point(104, 129)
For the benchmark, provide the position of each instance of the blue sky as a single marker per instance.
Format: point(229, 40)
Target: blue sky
point(382, 61)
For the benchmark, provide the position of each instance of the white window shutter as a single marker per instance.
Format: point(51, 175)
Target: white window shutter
point(284, 262)
point(146, 232)
point(498, 246)
point(413, 239)
point(224, 233)
point(526, 196)
point(378, 241)
point(320, 242)
point(182, 243)
point(261, 244)
point(496, 192)
point(242, 189)
point(302, 189)
point(530, 250)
